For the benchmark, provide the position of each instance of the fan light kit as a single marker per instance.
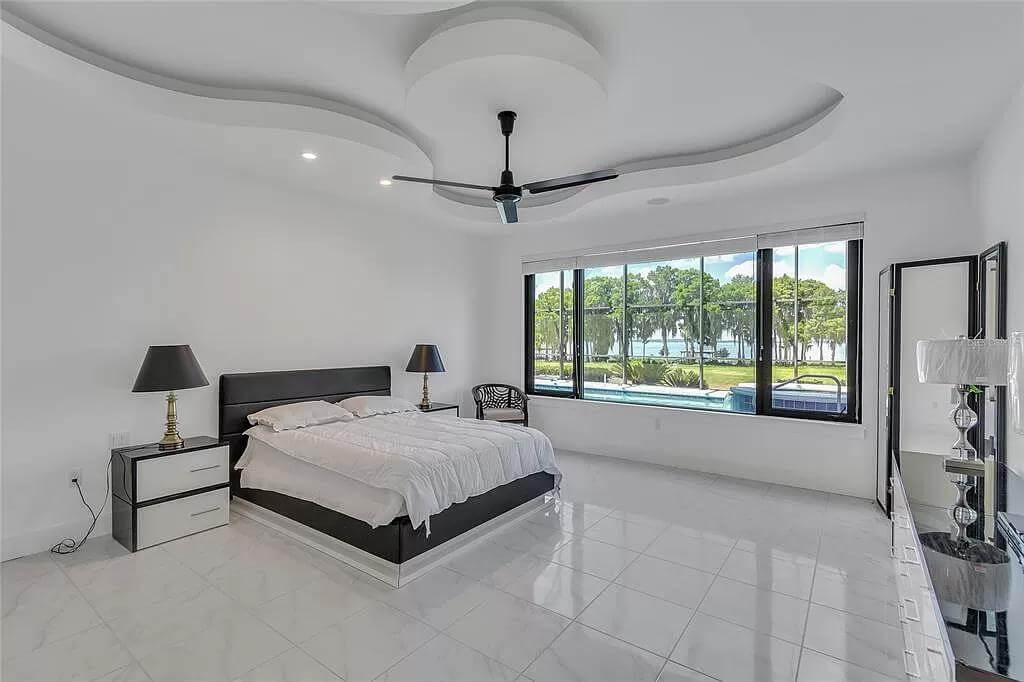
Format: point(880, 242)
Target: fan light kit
point(310, 156)
point(385, 182)
point(507, 194)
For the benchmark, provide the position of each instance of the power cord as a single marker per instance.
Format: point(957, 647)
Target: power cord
point(69, 545)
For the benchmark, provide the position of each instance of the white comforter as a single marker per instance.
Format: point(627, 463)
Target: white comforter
point(432, 462)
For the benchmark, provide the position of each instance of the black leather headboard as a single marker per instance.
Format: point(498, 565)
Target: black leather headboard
point(243, 394)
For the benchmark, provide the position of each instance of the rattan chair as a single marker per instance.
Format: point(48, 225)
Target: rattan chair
point(501, 402)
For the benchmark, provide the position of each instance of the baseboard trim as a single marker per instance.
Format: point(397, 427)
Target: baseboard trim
point(42, 540)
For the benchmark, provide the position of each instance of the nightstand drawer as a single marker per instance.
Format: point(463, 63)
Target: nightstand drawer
point(162, 476)
point(174, 519)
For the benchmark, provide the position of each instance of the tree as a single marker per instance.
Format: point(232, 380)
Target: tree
point(641, 320)
point(553, 323)
point(687, 297)
point(602, 296)
point(783, 317)
point(664, 279)
point(737, 297)
point(836, 333)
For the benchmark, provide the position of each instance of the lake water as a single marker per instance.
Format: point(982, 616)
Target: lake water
point(678, 347)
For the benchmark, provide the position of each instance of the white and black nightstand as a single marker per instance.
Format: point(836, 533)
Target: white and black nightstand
point(161, 495)
point(448, 409)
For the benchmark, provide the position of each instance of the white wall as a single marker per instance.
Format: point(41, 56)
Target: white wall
point(997, 175)
point(114, 239)
point(910, 215)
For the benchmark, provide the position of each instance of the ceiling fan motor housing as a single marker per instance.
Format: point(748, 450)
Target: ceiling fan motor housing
point(506, 189)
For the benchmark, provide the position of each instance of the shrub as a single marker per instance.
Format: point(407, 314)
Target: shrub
point(680, 377)
point(642, 372)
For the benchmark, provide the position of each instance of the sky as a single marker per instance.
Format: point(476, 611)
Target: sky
point(823, 262)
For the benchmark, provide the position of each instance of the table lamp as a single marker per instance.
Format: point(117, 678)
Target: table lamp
point(963, 363)
point(425, 358)
point(169, 368)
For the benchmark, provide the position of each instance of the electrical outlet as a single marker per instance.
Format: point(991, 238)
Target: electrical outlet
point(74, 475)
point(119, 439)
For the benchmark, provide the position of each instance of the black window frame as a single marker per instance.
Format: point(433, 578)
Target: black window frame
point(854, 326)
point(763, 325)
point(577, 338)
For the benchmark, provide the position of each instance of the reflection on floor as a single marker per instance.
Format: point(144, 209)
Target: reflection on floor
point(642, 573)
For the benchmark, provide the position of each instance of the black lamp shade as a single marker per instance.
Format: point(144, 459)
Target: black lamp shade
point(425, 358)
point(169, 368)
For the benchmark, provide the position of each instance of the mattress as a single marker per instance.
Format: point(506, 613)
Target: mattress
point(431, 462)
point(267, 468)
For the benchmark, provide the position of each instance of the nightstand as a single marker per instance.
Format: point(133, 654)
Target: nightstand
point(446, 408)
point(161, 495)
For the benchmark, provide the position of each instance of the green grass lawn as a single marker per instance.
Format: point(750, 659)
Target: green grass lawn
point(715, 376)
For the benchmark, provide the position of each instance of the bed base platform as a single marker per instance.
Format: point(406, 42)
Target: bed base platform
point(394, 574)
point(395, 553)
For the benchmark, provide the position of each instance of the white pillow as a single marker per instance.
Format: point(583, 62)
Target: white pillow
point(297, 415)
point(369, 405)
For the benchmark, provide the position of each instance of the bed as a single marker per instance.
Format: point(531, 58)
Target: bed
point(395, 551)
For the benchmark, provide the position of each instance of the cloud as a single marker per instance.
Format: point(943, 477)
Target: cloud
point(836, 247)
point(835, 276)
point(782, 267)
point(744, 268)
point(724, 258)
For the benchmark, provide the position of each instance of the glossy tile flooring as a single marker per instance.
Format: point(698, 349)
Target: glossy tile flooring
point(641, 573)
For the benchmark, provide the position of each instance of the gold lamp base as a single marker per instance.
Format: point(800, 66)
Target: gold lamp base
point(425, 402)
point(171, 439)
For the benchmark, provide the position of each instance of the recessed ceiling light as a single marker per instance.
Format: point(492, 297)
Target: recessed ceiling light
point(657, 201)
point(385, 182)
point(310, 156)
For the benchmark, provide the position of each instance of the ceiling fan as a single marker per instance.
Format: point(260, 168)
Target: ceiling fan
point(507, 194)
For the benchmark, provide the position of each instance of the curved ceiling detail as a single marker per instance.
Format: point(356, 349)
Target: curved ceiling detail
point(485, 60)
point(96, 75)
point(504, 32)
point(401, 6)
point(477, 63)
point(668, 171)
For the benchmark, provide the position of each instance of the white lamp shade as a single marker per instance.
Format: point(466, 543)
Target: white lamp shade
point(962, 361)
point(1015, 380)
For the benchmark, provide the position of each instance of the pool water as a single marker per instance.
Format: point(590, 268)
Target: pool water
point(640, 397)
point(737, 399)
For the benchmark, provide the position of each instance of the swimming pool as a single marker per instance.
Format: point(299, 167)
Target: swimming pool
point(715, 400)
point(736, 399)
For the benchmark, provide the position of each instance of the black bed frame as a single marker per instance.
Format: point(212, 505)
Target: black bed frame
point(243, 394)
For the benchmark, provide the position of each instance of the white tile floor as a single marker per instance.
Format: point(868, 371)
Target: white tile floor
point(643, 573)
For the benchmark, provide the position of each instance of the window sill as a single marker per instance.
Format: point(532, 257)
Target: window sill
point(848, 429)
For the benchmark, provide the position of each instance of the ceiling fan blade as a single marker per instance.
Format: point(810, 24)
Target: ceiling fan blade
point(507, 211)
point(570, 181)
point(444, 183)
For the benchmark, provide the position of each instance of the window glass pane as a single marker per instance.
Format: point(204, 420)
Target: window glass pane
point(602, 330)
point(663, 346)
point(730, 310)
point(809, 326)
point(552, 332)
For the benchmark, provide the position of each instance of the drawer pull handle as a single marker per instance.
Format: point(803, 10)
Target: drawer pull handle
point(205, 512)
point(214, 466)
point(916, 617)
point(911, 551)
point(909, 657)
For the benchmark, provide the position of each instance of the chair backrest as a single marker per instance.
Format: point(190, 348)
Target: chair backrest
point(498, 395)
